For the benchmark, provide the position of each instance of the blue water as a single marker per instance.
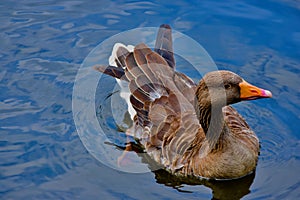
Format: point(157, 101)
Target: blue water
point(42, 45)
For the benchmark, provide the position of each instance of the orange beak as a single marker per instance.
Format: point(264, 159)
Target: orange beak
point(251, 92)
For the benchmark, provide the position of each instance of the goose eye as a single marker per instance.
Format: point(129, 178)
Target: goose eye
point(227, 86)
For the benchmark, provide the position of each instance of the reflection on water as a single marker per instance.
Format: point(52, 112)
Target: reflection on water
point(226, 189)
point(221, 189)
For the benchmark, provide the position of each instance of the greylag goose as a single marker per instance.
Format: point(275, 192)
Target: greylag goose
point(189, 128)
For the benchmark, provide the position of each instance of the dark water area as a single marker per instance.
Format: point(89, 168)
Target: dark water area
point(42, 46)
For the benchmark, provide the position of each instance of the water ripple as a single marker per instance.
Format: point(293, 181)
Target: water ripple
point(43, 45)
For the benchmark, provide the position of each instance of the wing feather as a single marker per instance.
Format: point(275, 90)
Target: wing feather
point(162, 99)
point(164, 44)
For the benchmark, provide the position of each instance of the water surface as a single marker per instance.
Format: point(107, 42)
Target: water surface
point(43, 45)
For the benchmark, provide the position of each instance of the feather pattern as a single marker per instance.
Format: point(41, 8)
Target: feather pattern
point(164, 44)
point(173, 114)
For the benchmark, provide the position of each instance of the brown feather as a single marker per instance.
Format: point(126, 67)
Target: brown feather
point(170, 123)
point(122, 53)
point(164, 44)
point(115, 72)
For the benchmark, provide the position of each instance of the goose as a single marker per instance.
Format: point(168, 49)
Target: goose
point(187, 127)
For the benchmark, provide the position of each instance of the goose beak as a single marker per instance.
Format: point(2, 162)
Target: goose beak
point(251, 92)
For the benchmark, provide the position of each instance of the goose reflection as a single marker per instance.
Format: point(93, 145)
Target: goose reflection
point(233, 189)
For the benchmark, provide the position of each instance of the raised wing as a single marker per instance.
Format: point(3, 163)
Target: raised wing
point(162, 101)
point(164, 44)
point(119, 55)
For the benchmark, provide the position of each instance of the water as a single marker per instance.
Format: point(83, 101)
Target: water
point(43, 45)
